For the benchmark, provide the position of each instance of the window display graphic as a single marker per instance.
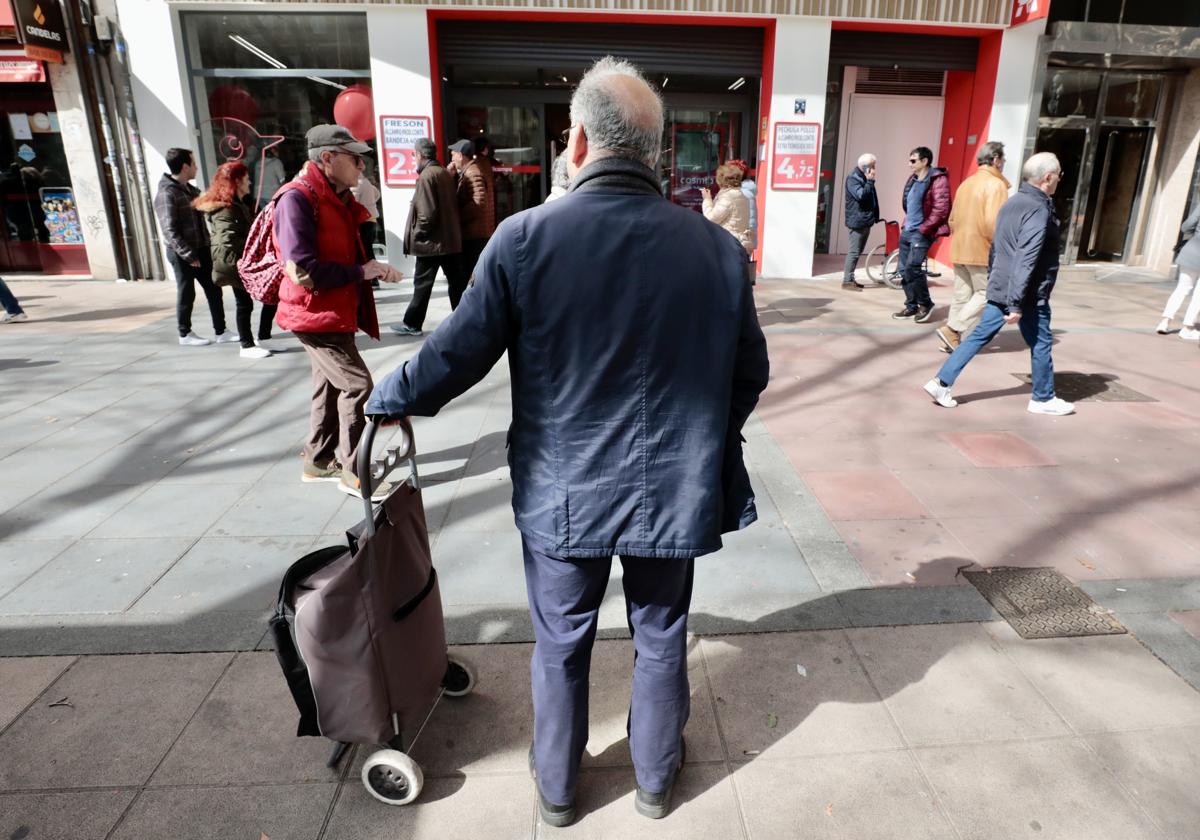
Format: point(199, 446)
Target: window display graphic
point(62, 217)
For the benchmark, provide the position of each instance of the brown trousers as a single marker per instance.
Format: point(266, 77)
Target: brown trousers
point(341, 385)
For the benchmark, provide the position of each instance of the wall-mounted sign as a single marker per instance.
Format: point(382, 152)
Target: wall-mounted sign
point(398, 138)
point(15, 66)
point(796, 156)
point(800, 106)
point(41, 28)
point(1027, 10)
point(62, 217)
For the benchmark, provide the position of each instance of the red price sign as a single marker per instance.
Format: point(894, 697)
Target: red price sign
point(399, 136)
point(796, 156)
point(1027, 10)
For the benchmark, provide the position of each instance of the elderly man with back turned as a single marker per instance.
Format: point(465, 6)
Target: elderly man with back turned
point(635, 357)
point(1021, 275)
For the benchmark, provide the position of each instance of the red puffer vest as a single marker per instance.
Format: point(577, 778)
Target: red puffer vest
point(343, 309)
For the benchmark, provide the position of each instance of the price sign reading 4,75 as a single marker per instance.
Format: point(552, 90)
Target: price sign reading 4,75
point(796, 156)
point(400, 136)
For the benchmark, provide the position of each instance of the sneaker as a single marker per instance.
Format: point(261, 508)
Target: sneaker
point(904, 313)
point(1190, 334)
point(9, 318)
point(853, 286)
point(405, 329)
point(225, 337)
point(193, 340)
point(1164, 326)
point(924, 313)
point(255, 353)
point(1053, 406)
point(557, 816)
point(949, 338)
point(658, 805)
point(940, 393)
point(272, 346)
point(349, 485)
point(329, 471)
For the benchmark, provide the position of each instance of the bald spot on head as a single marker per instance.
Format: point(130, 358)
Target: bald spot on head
point(641, 105)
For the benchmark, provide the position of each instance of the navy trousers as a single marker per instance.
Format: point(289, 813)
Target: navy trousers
point(564, 600)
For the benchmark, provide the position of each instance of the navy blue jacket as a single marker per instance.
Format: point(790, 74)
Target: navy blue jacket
point(635, 357)
point(1023, 261)
point(862, 203)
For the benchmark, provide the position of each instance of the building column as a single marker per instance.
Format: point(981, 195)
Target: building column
point(1180, 148)
point(789, 225)
point(1016, 72)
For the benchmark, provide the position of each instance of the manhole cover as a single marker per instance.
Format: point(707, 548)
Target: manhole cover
point(1100, 387)
point(1042, 604)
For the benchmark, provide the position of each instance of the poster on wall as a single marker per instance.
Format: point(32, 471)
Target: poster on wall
point(398, 139)
point(62, 217)
point(796, 156)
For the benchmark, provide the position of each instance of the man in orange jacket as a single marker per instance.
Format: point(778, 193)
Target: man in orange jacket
point(972, 224)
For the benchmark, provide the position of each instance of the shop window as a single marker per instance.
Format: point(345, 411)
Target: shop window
point(252, 41)
point(1070, 93)
point(1135, 97)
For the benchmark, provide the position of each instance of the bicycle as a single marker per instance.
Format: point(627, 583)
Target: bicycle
point(883, 263)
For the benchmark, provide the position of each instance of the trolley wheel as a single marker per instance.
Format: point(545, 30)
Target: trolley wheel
point(459, 680)
point(891, 271)
point(874, 263)
point(392, 777)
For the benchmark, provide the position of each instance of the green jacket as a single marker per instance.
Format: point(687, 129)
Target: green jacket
point(228, 227)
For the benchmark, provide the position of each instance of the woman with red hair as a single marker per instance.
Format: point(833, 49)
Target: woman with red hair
point(229, 216)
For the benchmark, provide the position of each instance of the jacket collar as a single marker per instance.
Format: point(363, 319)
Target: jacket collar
point(995, 174)
point(616, 175)
point(1030, 189)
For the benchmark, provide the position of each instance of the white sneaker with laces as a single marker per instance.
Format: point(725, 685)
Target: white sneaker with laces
point(271, 345)
point(1164, 326)
point(1190, 334)
point(1055, 406)
point(193, 340)
point(225, 338)
point(255, 353)
point(10, 318)
point(940, 393)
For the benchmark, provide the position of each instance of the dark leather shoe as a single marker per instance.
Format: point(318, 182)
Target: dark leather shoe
point(924, 313)
point(658, 805)
point(558, 816)
point(904, 313)
point(853, 286)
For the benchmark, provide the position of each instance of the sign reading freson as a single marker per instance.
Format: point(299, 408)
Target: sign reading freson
point(41, 28)
point(398, 140)
point(796, 156)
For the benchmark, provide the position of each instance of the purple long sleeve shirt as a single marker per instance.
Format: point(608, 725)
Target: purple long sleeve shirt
point(296, 234)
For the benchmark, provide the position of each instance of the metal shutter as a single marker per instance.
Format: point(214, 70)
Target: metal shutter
point(733, 51)
point(911, 52)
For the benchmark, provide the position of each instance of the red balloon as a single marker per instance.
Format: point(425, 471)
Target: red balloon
point(232, 101)
point(354, 109)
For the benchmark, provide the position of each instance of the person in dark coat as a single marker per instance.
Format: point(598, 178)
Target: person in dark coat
point(226, 208)
point(862, 214)
point(1022, 271)
point(926, 218)
point(433, 235)
point(636, 357)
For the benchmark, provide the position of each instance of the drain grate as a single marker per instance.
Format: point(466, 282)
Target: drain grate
point(1042, 604)
point(1096, 387)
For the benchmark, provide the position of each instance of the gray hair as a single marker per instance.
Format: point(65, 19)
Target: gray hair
point(1039, 166)
point(618, 125)
point(988, 153)
point(558, 173)
point(315, 154)
point(425, 148)
point(865, 160)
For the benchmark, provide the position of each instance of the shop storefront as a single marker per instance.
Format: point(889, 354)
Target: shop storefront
point(758, 85)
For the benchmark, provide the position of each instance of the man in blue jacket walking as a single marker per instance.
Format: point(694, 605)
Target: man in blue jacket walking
point(635, 357)
point(1022, 270)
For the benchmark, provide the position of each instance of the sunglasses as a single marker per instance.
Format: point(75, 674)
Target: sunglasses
point(914, 160)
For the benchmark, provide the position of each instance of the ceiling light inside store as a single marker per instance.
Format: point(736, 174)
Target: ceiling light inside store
point(565, 79)
point(665, 80)
point(737, 83)
point(276, 63)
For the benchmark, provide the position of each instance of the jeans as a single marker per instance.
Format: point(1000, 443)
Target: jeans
point(243, 311)
point(426, 271)
point(564, 602)
point(858, 241)
point(914, 246)
point(186, 278)
point(8, 300)
point(1035, 329)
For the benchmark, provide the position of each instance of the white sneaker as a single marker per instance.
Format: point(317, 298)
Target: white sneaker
point(1164, 326)
point(255, 353)
point(940, 393)
point(225, 338)
point(1189, 334)
point(271, 345)
point(193, 340)
point(1054, 406)
point(8, 318)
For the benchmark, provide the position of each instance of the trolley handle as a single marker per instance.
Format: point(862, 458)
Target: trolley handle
point(373, 470)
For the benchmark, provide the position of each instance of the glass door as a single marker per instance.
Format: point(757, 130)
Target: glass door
point(1120, 161)
point(696, 143)
point(1070, 146)
point(516, 135)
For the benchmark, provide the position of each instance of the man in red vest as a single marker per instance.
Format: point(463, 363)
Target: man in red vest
point(327, 297)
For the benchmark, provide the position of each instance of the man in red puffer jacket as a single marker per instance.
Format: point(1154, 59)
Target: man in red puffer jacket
point(926, 217)
point(326, 297)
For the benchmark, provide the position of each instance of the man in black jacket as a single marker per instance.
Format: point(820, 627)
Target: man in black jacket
point(636, 357)
point(862, 213)
point(433, 236)
point(186, 236)
point(1022, 270)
